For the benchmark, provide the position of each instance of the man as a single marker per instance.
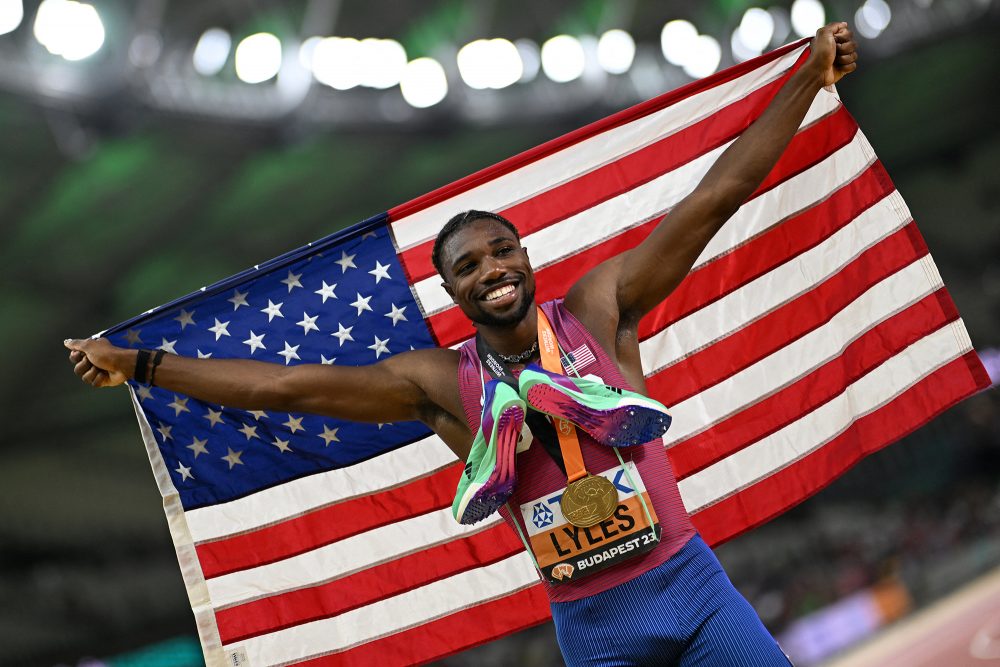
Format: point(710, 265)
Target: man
point(668, 603)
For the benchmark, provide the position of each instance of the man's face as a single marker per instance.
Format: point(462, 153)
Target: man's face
point(488, 275)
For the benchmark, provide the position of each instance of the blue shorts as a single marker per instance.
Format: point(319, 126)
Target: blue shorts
point(684, 612)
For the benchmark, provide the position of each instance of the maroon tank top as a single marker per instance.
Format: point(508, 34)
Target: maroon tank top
point(537, 473)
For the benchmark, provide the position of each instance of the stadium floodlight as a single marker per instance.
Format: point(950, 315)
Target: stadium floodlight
point(753, 34)
point(337, 62)
point(424, 83)
point(615, 51)
point(704, 57)
point(677, 39)
point(212, 51)
point(382, 63)
point(69, 29)
point(872, 18)
point(563, 59)
point(490, 63)
point(756, 29)
point(258, 57)
point(11, 15)
point(808, 16)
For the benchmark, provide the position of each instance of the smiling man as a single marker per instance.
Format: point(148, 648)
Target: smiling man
point(636, 585)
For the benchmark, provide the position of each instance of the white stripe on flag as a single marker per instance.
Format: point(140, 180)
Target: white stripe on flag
point(802, 356)
point(806, 435)
point(629, 209)
point(742, 306)
point(586, 155)
point(299, 496)
point(392, 615)
point(341, 558)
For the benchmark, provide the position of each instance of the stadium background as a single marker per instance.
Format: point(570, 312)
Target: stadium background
point(136, 173)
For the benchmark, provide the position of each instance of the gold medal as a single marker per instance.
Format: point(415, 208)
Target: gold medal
point(589, 501)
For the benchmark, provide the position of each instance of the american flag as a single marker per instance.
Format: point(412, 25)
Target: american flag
point(813, 330)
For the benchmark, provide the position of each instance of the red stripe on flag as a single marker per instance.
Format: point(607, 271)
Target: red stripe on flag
point(447, 635)
point(777, 245)
point(367, 586)
point(618, 176)
point(328, 524)
point(787, 323)
point(715, 279)
point(863, 355)
point(910, 410)
point(623, 117)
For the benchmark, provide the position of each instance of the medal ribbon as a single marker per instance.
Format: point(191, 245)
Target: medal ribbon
point(569, 444)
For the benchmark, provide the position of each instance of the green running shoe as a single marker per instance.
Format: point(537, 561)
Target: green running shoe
point(490, 473)
point(612, 416)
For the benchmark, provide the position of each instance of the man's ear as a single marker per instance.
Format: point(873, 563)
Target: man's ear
point(447, 288)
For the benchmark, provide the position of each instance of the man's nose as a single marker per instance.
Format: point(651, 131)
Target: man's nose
point(493, 268)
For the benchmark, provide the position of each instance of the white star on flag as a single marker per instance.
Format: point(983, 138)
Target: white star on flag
point(379, 346)
point(329, 435)
point(249, 431)
point(164, 430)
point(294, 424)
point(282, 445)
point(308, 323)
point(168, 346)
point(273, 310)
point(327, 291)
point(179, 405)
point(255, 342)
point(380, 271)
point(290, 352)
point(258, 414)
point(184, 471)
point(346, 262)
point(185, 318)
point(233, 458)
point(325, 361)
point(132, 336)
point(214, 417)
point(361, 303)
point(220, 329)
point(143, 392)
point(343, 333)
point(292, 280)
point(396, 314)
point(238, 299)
point(198, 446)
point(204, 355)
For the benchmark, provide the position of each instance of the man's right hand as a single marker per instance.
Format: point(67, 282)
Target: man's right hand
point(99, 363)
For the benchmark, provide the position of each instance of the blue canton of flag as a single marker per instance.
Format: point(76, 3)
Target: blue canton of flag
point(343, 300)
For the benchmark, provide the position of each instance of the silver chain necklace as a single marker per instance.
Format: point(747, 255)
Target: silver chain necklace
point(523, 356)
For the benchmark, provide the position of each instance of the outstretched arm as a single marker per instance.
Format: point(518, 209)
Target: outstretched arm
point(382, 392)
point(633, 283)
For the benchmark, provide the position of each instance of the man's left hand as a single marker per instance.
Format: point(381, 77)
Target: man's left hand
point(834, 53)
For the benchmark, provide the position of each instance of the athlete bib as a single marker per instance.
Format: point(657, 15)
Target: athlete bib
point(565, 552)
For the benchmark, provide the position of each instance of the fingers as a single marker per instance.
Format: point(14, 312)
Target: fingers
point(843, 61)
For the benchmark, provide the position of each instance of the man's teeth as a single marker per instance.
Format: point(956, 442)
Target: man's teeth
point(499, 292)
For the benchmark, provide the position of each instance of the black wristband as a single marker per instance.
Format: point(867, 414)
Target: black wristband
point(157, 358)
point(141, 364)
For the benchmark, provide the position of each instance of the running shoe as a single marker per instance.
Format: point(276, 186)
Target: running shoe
point(490, 473)
point(612, 416)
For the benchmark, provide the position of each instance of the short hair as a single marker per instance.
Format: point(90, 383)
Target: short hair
point(459, 221)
